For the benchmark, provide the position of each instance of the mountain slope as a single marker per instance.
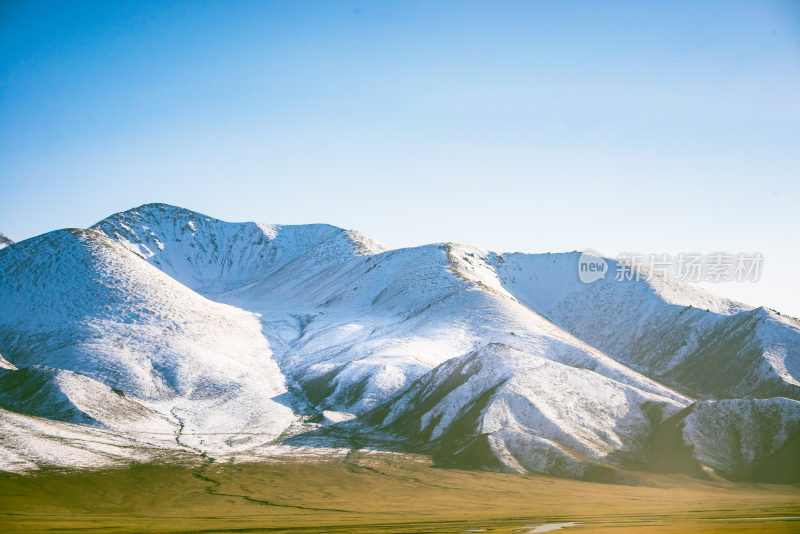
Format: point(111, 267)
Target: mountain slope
point(77, 301)
point(505, 409)
point(29, 443)
point(668, 329)
point(67, 396)
point(740, 439)
point(355, 333)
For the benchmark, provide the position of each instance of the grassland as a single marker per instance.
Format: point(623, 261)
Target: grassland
point(377, 493)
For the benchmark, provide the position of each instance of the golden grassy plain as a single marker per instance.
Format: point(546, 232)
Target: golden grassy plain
point(378, 493)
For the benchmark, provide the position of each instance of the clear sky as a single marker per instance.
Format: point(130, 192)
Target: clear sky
point(531, 126)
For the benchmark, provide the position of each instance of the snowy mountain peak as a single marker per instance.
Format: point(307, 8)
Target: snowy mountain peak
point(213, 256)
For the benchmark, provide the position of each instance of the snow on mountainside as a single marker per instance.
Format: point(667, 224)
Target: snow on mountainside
point(209, 255)
point(4, 240)
point(30, 443)
point(369, 326)
point(505, 409)
point(740, 439)
point(77, 301)
point(71, 397)
point(182, 332)
point(705, 345)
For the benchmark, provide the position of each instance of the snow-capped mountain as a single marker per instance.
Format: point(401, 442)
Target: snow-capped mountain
point(179, 332)
point(76, 301)
point(706, 346)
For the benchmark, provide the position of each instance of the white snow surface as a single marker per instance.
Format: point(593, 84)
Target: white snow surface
point(77, 301)
point(209, 255)
point(535, 413)
point(735, 435)
point(662, 326)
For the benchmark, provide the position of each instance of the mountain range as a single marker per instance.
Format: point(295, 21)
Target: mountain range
point(160, 333)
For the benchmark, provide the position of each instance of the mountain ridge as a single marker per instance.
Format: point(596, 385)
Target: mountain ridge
point(241, 339)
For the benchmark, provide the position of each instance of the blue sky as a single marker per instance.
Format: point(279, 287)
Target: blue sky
point(533, 126)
